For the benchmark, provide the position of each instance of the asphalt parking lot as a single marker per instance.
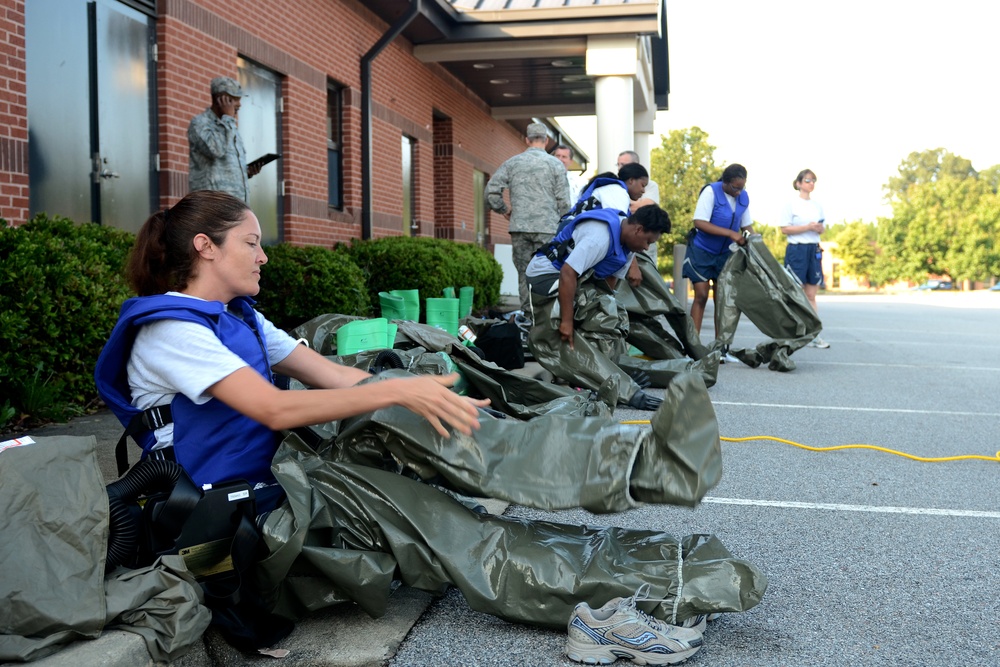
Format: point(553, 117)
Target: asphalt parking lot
point(873, 559)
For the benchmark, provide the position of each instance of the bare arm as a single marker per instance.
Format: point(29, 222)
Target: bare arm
point(567, 295)
point(427, 395)
point(715, 230)
point(791, 230)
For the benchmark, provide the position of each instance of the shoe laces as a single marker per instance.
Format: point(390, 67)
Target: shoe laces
point(642, 595)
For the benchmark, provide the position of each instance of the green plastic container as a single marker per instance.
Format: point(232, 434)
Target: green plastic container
point(443, 314)
point(411, 303)
point(361, 335)
point(392, 306)
point(448, 292)
point(465, 295)
point(390, 334)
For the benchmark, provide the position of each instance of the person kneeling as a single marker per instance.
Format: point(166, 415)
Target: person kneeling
point(579, 329)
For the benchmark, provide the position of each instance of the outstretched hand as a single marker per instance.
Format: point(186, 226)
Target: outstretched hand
point(429, 397)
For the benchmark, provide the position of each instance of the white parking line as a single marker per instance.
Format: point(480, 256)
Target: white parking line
point(954, 413)
point(837, 507)
point(941, 367)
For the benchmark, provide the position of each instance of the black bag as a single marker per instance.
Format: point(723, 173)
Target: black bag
point(501, 344)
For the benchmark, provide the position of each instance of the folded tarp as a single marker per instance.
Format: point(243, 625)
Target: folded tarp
point(54, 589)
point(753, 283)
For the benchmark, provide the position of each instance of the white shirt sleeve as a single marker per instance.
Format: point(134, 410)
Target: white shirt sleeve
point(747, 219)
point(613, 196)
point(590, 245)
point(706, 202)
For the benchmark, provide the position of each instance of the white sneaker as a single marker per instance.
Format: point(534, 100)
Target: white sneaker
point(620, 630)
point(728, 359)
point(818, 342)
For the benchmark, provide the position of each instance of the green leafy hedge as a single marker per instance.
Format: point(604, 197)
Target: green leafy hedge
point(60, 290)
point(62, 285)
point(299, 283)
point(428, 265)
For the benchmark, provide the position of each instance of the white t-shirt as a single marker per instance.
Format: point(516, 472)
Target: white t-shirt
point(590, 244)
point(613, 196)
point(171, 357)
point(706, 202)
point(801, 211)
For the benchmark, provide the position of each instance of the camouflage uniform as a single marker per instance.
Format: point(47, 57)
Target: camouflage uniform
point(218, 160)
point(539, 195)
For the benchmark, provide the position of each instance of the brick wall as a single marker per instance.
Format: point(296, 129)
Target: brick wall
point(13, 114)
point(317, 40)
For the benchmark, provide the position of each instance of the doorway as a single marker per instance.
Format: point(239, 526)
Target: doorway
point(260, 123)
point(90, 111)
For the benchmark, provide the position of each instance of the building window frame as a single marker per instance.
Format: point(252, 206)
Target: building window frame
point(335, 144)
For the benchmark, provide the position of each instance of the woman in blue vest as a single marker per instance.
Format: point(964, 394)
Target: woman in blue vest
point(193, 341)
point(720, 218)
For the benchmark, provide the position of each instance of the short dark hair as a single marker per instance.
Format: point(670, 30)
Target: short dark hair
point(734, 171)
point(632, 170)
point(652, 218)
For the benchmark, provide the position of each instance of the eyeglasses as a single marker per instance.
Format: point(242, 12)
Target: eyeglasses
point(808, 180)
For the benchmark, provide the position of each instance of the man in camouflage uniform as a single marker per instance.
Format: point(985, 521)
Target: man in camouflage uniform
point(539, 195)
point(217, 158)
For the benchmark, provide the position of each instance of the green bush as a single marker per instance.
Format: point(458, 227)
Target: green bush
point(428, 265)
point(299, 283)
point(60, 290)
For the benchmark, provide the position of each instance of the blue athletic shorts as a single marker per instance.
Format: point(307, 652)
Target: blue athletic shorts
point(804, 260)
point(700, 266)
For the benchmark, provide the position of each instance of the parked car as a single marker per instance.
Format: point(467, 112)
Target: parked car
point(935, 285)
point(995, 288)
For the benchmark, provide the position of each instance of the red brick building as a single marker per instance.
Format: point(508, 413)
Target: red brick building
point(107, 89)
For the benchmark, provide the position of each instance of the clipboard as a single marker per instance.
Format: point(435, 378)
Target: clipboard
point(263, 159)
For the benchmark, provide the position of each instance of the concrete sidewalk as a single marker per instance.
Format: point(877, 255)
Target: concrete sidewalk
point(344, 636)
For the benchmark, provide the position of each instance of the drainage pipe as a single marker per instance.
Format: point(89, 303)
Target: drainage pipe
point(366, 114)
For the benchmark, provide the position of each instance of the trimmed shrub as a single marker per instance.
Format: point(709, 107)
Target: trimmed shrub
point(428, 265)
point(300, 283)
point(60, 290)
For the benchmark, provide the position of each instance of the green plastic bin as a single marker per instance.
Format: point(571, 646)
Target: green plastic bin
point(448, 292)
point(361, 335)
point(411, 303)
point(443, 314)
point(465, 295)
point(392, 306)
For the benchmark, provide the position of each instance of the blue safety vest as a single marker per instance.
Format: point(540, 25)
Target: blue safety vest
point(613, 261)
point(212, 442)
point(723, 216)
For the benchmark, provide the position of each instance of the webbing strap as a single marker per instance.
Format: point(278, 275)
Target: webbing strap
point(147, 420)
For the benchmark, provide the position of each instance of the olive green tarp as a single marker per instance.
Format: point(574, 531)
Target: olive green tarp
point(598, 360)
point(349, 531)
point(645, 304)
point(56, 511)
point(753, 283)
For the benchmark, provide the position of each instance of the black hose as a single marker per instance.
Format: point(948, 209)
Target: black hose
point(149, 476)
point(385, 359)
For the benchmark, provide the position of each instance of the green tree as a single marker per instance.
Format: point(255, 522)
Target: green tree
point(681, 165)
point(924, 167)
point(856, 249)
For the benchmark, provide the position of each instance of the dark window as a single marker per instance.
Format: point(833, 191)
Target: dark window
point(334, 134)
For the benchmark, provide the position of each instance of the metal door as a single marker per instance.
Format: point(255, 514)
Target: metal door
point(123, 167)
point(90, 111)
point(259, 121)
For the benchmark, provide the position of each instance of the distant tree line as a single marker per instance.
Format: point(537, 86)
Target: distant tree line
point(945, 215)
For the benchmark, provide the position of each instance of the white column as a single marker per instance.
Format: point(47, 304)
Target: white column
point(614, 120)
point(613, 62)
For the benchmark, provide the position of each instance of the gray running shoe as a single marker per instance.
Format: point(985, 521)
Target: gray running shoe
point(620, 630)
point(818, 342)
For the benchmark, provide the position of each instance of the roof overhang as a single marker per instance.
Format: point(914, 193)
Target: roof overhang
point(531, 63)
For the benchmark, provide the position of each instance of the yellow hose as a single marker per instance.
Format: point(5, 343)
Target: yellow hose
point(924, 459)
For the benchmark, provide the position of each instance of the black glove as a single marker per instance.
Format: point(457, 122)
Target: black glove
point(643, 401)
point(640, 377)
